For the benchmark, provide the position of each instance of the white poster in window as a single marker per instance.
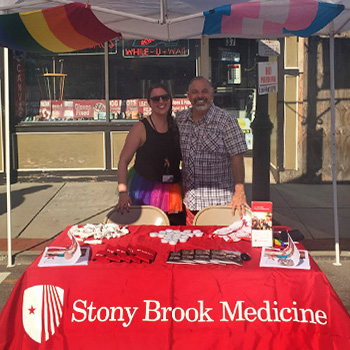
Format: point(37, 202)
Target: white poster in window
point(234, 73)
point(268, 48)
point(267, 73)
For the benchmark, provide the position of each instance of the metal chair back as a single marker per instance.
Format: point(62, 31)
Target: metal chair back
point(216, 215)
point(138, 215)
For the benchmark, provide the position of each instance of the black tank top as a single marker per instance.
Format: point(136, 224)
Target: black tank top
point(151, 156)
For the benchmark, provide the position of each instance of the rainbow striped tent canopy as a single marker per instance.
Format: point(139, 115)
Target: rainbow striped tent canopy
point(75, 26)
point(63, 28)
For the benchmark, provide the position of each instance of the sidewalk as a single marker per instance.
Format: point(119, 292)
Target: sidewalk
point(40, 211)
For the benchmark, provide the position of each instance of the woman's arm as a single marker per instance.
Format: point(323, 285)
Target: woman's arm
point(135, 139)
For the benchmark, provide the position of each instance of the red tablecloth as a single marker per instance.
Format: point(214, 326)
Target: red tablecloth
point(166, 306)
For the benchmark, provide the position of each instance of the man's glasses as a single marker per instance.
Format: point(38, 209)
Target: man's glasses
point(165, 97)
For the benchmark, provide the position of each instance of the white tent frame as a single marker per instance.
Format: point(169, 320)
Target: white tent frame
point(7, 157)
point(334, 152)
point(164, 20)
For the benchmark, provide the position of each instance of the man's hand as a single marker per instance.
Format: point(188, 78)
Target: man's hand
point(239, 202)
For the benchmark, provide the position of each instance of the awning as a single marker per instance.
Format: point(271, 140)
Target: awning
point(63, 28)
point(102, 20)
point(270, 18)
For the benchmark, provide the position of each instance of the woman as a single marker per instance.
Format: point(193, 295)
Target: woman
point(155, 177)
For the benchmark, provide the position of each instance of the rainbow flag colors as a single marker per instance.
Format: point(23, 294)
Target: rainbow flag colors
point(258, 19)
point(64, 28)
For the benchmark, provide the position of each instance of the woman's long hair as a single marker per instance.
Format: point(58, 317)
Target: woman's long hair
point(172, 126)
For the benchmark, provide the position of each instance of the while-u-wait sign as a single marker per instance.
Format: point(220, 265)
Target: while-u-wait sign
point(267, 73)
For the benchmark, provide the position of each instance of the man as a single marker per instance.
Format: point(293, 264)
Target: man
point(212, 145)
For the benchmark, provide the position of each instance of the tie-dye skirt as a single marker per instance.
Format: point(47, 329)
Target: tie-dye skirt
point(167, 197)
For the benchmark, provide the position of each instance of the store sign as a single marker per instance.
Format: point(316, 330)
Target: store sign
point(95, 50)
point(19, 84)
point(57, 110)
point(229, 56)
point(267, 72)
point(269, 48)
point(155, 48)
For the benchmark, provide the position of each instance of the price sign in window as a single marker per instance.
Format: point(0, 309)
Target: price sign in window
point(234, 73)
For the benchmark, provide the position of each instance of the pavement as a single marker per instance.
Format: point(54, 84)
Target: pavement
point(41, 211)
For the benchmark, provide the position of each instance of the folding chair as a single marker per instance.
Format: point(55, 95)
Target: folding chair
point(216, 215)
point(138, 215)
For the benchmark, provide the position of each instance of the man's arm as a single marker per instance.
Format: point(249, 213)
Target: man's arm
point(239, 200)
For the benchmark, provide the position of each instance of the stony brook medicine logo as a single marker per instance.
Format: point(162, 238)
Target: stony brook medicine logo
point(42, 311)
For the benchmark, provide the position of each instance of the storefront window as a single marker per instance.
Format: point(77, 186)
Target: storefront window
point(71, 87)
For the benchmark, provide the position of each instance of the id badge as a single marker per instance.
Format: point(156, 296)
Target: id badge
point(167, 179)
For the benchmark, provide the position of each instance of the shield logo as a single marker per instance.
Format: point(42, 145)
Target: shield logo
point(42, 311)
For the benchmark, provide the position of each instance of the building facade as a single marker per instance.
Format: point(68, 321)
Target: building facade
point(70, 114)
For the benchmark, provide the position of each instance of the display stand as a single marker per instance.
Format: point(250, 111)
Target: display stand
point(52, 85)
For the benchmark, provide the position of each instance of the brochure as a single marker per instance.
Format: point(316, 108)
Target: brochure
point(262, 235)
point(289, 257)
point(64, 256)
point(187, 256)
point(176, 258)
point(226, 257)
point(60, 260)
point(202, 256)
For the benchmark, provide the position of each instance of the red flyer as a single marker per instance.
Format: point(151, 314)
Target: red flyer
point(262, 233)
point(144, 254)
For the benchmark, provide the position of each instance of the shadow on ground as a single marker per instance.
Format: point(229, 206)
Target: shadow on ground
point(18, 196)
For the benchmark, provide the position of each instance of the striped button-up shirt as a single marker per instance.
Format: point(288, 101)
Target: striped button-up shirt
point(207, 148)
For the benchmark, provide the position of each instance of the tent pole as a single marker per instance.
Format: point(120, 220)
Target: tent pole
point(334, 156)
point(106, 66)
point(163, 13)
point(7, 152)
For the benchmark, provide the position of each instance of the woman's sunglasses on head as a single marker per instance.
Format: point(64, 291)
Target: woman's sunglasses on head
point(165, 97)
